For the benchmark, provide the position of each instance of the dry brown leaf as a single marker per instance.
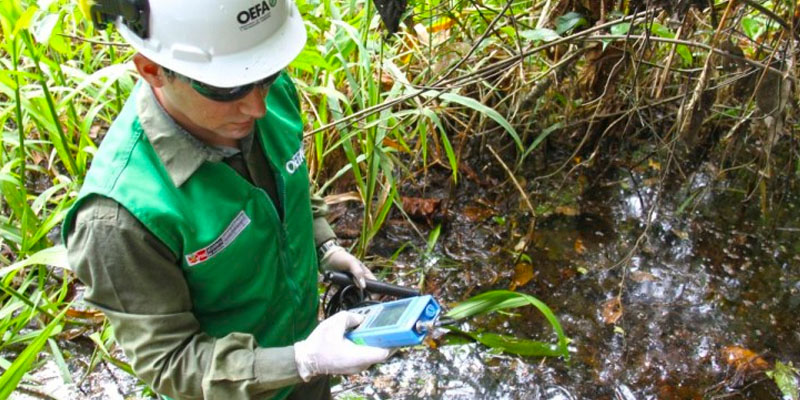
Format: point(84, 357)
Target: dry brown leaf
point(523, 273)
point(383, 382)
point(342, 197)
point(578, 246)
point(418, 207)
point(567, 210)
point(477, 213)
point(522, 244)
point(37, 157)
point(583, 181)
point(94, 132)
point(71, 334)
point(92, 315)
point(394, 144)
point(443, 25)
point(430, 342)
point(682, 235)
point(743, 359)
point(650, 182)
point(641, 276)
point(612, 310)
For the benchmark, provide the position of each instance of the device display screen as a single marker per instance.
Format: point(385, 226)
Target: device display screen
point(389, 315)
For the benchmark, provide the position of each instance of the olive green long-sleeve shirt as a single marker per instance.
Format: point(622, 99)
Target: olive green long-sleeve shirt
point(137, 282)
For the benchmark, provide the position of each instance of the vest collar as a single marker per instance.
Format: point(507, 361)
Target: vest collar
point(180, 152)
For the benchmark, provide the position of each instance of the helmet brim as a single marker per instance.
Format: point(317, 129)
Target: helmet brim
point(241, 68)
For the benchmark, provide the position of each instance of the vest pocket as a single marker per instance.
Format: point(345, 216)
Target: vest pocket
point(233, 279)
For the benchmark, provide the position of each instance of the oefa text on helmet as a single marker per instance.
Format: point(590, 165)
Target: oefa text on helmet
point(254, 15)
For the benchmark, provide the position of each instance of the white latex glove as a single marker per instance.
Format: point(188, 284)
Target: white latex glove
point(339, 259)
point(328, 352)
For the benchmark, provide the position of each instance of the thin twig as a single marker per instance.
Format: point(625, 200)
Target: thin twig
point(600, 38)
point(83, 39)
point(473, 76)
point(513, 179)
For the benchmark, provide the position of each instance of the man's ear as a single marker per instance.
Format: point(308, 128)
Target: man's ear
point(149, 70)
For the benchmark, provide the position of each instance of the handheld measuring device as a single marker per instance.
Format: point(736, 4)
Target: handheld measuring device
point(396, 323)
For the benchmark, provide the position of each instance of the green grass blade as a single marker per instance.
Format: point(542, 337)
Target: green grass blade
point(513, 345)
point(483, 109)
point(502, 299)
point(60, 362)
point(56, 256)
point(12, 376)
point(542, 136)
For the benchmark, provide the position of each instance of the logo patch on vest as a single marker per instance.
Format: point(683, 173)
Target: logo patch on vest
point(296, 161)
point(231, 233)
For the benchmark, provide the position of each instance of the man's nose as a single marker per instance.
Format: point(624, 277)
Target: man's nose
point(253, 104)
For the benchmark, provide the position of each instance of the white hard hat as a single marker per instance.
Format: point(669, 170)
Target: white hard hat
point(220, 43)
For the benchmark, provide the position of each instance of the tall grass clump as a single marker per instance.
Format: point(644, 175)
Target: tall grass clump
point(59, 87)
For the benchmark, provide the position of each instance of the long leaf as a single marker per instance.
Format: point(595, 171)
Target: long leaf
point(483, 109)
point(12, 376)
point(56, 256)
point(513, 345)
point(502, 299)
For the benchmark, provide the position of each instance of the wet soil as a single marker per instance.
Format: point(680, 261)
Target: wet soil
point(699, 309)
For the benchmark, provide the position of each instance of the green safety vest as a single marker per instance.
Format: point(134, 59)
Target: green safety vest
point(248, 268)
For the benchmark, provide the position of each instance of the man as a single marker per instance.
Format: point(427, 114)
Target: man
point(194, 231)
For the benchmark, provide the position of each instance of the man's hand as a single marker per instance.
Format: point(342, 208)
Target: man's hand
point(339, 259)
point(328, 352)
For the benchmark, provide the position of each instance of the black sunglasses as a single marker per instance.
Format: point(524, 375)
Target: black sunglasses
point(224, 94)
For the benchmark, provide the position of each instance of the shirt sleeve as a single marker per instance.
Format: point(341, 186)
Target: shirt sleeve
point(135, 280)
point(322, 229)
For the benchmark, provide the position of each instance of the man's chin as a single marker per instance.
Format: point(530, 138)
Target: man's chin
point(238, 131)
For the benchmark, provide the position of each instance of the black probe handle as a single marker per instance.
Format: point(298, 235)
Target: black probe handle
point(344, 279)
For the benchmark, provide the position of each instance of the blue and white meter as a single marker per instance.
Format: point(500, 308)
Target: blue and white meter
point(396, 323)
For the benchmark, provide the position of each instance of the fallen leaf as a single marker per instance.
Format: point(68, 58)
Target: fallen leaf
point(578, 246)
point(37, 157)
point(418, 207)
point(84, 314)
point(612, 310)
point(523, 242)
point(650, 182)
point(430, 342)
point(94, 131)
point(71, 334)
point(394, 144)
point(680, 234)
point(582, 181)
point(641, 276)
point(477, 213)
point(743, 359)
point(444, 24)
point(94, 316)
point(342, 197)
point(654, 164)
point(567, 210)
point(523, 273)
point(384, 382)
point(784, 376)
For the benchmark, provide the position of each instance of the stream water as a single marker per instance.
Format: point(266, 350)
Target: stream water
point(707, 300)
point(708, 290)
